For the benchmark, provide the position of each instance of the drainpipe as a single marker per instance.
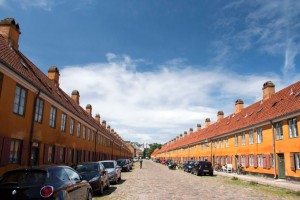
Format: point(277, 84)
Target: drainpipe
point(274, 151)
point(31, 136)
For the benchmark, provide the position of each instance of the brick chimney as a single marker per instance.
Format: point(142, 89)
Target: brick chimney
point(177, 138)
point(75, 96)
point(180, 135)
point(268, 90)
point(88, 109)
point(108, 128)
point(239, 105)
point(53, 74)
point(104, 124)
point(220, 115)
point(207, 122)
point(198, 127)
point(10, 30)
point(185, 133)
point(97, 118)
point(191, 131)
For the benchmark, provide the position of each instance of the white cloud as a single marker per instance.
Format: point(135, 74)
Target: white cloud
point(44, 4)
point(270, 26)
point(156, 106)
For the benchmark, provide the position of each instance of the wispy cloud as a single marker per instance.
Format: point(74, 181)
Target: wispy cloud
point(44, 4)
point(270, 26)
point(158, 105)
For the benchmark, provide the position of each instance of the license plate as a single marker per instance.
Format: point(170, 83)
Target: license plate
point(205, 170)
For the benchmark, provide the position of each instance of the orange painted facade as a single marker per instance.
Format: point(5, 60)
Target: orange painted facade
point(27, 138)
point(263, 137)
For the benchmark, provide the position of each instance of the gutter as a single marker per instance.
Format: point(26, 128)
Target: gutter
point(274, 149)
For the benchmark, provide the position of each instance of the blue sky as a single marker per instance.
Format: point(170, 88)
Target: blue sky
point(154, 69)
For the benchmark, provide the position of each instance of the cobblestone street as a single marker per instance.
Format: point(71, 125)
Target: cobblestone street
point(156, 181)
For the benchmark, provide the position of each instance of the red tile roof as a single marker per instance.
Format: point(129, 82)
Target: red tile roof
point(280, 104)
point(20, 64)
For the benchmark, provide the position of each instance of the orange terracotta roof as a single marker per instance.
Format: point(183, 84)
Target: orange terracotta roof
point(280, 104)
point(20, 64)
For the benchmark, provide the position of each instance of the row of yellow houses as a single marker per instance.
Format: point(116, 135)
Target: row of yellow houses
point(39, 123)
point(263, 137)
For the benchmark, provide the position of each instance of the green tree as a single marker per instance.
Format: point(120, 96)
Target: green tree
point(152, 148)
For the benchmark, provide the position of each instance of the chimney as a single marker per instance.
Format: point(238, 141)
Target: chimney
point(198, 127)
point(268, 90)
point(53, 74)
point(185, 133)
point(239, 105)
point(207, 122)
point(108, 128)
point(177, 138)
point(112, 131)
point(88, 109)
point(220, 115)
point(75, 96)
point(191, 131)
point(180, 135)
point(10, 30)
point(97, 118)
point(104, 124)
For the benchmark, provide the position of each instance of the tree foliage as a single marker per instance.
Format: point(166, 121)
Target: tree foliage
point(152, 148)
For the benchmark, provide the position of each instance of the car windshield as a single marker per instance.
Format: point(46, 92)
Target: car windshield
point(87, 167)
point(108, 164)
point(24, 178)
point(121, 162)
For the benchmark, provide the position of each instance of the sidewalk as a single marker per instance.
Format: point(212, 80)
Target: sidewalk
point(281, 183)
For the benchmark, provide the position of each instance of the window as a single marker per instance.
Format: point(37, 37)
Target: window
point(279, 132)
point(1, 80)
point(83, 132)
point(50, 154)
point(251, 163)
point(78, 129)
point(93, 135)
point(89, 134)
point(227, 142)
point(52, 117)
point(259, 160)
point(14, 152)
point(19, 102)
point(63, 122)
point(62, 155)
point(293, 129)
point(243, 159)
point(236, 140)
point(39, 110)
point(243, 139)
point(297, 160)
point(251, 138)
point(259, 138)
point(272, 160)
point(72, 126)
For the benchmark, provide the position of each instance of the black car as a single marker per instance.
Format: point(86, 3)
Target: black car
point(202, 168)
point(124, 164)
point(95, 174)
point(188, 165)
point(48, 182)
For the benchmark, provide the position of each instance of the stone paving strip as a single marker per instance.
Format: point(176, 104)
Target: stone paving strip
point(156, 181)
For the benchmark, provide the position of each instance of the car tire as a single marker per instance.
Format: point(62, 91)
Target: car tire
point(107, 185)
point(120, 178)
point(89, 196)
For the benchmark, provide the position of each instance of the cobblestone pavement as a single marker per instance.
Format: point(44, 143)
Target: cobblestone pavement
point(156, 181)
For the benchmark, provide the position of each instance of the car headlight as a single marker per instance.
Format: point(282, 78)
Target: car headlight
point(94, 179)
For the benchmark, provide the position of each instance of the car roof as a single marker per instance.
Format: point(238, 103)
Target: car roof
point(37, 168)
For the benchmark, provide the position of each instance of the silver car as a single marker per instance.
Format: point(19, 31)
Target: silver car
point(114, 171)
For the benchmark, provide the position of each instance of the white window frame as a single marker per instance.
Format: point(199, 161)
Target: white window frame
point(14, 152)
point(279, 131)
point(78, 129)
point(39, 107)
point(72, 122)
point(297, 160)
point(20, 100)
point(259, 135)
point(83, 132)
point(251, 161)
point(251, 137)
point(293, 128)
point(52, 119)
point(243, 135)
point(236, 140)
point(63, 122)
point(259, 160)
point(227, 142)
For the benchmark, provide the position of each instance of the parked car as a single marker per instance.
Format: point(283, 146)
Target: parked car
point(163, 161)
point(47, 182)
point(95, 174)
point(202, 168)
point(124, 163)
point(130, 163)
point(135, 159)
point(188, 165)
point(113, 169)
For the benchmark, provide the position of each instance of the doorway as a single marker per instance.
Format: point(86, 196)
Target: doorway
point(34, 156)
point(281, 166)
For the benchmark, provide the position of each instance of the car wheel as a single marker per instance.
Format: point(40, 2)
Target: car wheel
point(120, 177)
point(107, 185)
point(89, 196)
